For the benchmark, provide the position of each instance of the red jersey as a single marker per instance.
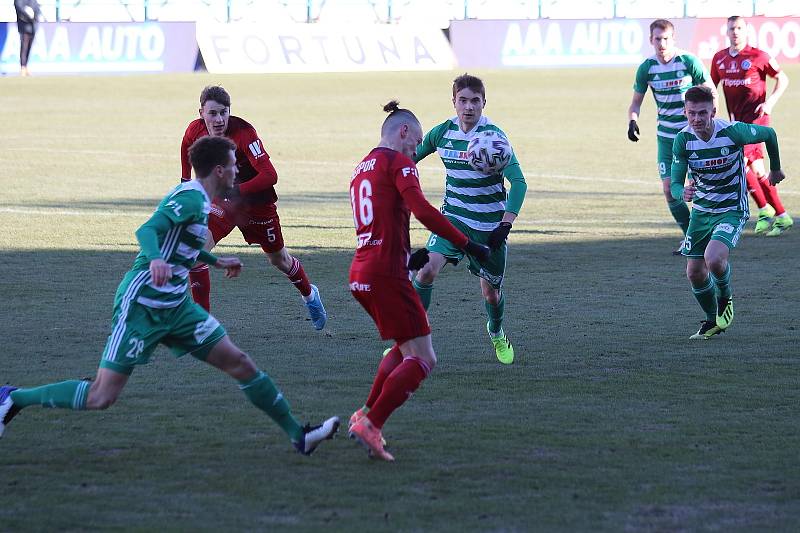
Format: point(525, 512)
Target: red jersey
point(744, 80)
point(384, 190)
point(257, 177)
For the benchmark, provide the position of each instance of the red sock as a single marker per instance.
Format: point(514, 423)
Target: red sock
point(397, 388)
point(754, 187)
point(389, 362)
point(298, 277)
point(771, 194)
point(201, 286)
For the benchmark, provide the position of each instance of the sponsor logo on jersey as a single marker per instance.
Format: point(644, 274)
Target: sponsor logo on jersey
point(409, 170)
point(714, 162)
point(693, 156)
point(449, 144)
point(656, 77)
point(454, 154)
point(680, 73)
point(736, 83)
point(256, 148)
point(360, 287)
point(746, 64)
point(364, 166)
point(261, 222)
point(365, 239)
point(753, 131)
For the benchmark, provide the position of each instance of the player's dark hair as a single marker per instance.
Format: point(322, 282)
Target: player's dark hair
point(661, 24)
point(468, 81)
point(396, 115)
point(215, 93)
point(699, 94)
point(208, 152)
point(734, 18)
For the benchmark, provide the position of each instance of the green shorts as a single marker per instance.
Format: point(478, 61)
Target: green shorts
point(492, 270)
point(664, 157)
point(704, 227)
point(137, 329)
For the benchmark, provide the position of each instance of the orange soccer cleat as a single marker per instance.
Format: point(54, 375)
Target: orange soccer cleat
point(370, 437)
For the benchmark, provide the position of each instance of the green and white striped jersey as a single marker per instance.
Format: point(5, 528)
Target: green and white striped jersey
point(187, 206)
point(476, 199)
point(717, 166)
point(669, 81)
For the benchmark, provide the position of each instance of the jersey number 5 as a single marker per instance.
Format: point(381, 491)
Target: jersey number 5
point(361, 202)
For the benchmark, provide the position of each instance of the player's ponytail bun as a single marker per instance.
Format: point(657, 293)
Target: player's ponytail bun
point(392, 106)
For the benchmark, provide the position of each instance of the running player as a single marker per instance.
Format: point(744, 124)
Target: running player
point(712, 150)
point(384, 188)
point(743, 71)
point(474, 203)
point(250, 205)
point(152, 307)
point(669, 73)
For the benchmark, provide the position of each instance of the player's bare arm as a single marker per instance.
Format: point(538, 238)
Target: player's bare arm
point(781, 83)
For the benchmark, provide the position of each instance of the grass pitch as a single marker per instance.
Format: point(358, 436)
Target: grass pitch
point(609, 420)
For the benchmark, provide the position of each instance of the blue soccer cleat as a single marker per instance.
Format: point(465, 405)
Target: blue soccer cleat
point(316, 311)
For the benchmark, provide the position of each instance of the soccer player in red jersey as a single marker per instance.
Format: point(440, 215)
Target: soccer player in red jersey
point(743, 71)
point(251, 204)
point(384, 189)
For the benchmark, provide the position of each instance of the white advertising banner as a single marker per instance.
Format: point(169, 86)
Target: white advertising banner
point(254, 48)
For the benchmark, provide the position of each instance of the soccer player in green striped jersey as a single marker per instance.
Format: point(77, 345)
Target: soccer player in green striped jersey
point(152, 307)
point(712, 151)
point(669, 73)
point(475, 203)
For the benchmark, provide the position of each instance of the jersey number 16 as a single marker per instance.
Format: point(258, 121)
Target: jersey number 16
point(361, 202)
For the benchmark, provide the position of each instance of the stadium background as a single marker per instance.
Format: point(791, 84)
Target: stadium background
point(609, 420)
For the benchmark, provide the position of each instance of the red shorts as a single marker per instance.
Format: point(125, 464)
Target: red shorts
point(393, 304)
point(754, 152)
point(263, 229)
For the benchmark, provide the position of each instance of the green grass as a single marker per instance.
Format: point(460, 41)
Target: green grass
point(609, 420)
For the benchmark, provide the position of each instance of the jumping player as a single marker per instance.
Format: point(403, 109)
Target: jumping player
point(384, 188)
point(250, 205)
point(152, 307)
point(712, 151)
point(669, 73)
point(743, 71)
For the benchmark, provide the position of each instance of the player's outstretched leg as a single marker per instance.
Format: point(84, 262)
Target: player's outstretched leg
point(262, 392)
point(316, 311)
point(494, 300)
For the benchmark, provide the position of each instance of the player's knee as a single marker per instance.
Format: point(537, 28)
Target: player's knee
point(716, 264)
point(426, 275)
point(281, 260)
point(99, 400)
point(241, 366)
point(696, 275)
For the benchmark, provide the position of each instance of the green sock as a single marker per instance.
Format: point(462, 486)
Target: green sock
point(263, 393)
point(424, 291)
point(704, 294)
point(495, 313)
point(723, 283)
point(680, 212)
point(66, 395)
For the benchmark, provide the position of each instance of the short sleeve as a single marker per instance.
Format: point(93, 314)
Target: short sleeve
point(640, 83)
point(182, 207)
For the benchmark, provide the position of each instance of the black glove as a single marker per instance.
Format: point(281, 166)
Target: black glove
point(478, 251)
point(499, 235)
point(418, 259)
point(633, 131)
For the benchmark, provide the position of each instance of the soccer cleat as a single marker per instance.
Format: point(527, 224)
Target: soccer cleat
point(355, 417)
point(316, 310)
point(724, 313)
point(781, 225)
point(7, 408)
point(502, 346)
point(370, 437)
point(707, 330)
point(765, 215)
point(314, 435)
